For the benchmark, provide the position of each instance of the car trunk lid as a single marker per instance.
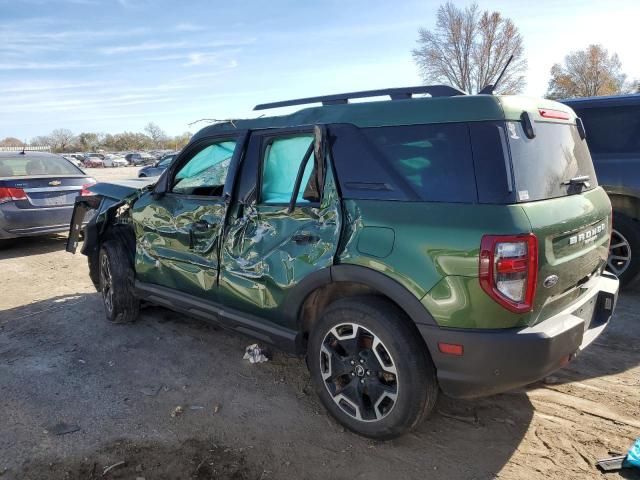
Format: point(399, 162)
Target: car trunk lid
point(573, 241)
point(46, 191)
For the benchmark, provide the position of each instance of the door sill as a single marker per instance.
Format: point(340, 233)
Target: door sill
point(254, 326)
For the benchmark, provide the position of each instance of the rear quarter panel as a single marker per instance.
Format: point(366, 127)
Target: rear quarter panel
point(433, 252)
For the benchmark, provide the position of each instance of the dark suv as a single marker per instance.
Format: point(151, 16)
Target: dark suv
point(453, 243)
point(613, 135)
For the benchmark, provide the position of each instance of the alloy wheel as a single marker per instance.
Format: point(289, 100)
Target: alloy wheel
point(359, 372)
point(106, 283)
point(619, 253)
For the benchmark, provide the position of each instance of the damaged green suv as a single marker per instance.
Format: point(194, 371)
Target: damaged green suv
point(452, 243)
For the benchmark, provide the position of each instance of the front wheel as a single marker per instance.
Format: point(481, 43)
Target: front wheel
point(370, 369)
point(116, 282)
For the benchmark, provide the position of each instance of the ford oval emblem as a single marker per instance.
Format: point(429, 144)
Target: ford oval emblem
point(550, 281)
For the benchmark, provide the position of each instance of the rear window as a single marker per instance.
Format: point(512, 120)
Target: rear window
point(25, 165)
point(433, 162)
point(612, 130)
point(541, 165)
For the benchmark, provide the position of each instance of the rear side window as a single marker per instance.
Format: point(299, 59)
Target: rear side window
point(24, 166)
point(282, 160)
point(433, 162)
point(612, 130)
point(542, 166)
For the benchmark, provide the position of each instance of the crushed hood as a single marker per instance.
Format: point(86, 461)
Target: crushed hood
point(121, 189)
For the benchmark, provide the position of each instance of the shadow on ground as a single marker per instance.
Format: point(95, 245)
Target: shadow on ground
point(21, 247)
point(118, 386)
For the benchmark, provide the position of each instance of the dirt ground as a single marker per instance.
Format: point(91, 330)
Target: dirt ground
point(79, 395)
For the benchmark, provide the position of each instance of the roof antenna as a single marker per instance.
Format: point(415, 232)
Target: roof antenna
point(489, 89)
point(24, 145)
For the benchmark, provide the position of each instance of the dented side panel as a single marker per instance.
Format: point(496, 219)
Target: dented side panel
point(177, 239)
point(267, 251)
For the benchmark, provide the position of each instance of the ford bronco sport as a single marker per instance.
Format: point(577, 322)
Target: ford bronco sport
point(452, 243)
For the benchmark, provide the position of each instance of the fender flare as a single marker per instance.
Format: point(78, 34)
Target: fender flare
point(396, 292)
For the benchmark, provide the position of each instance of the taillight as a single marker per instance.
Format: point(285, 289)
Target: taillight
point(9, 194)
point(84, 192)
point(508, 270)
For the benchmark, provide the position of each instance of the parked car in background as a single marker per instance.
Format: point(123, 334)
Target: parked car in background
point(158, 167)
point(138, 159)
point(93, 162)
point(73, 159)
point(114, 161)
point(37, 193)
point(405, 247)
point(93, 154)
point(612, 126)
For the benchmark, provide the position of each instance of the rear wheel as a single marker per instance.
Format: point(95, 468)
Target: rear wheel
point(116, 283)
point(624, 250)
point(369, 368)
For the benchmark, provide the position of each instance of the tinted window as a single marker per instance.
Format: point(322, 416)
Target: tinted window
point(542, 164)
point(206, 172)
point(282, 159)
point(612, 129)
point(20, 166)
point(433, 162)
point(491, 161)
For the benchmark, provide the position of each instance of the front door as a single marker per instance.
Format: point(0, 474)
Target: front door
point(179, 232)
point(285, 223)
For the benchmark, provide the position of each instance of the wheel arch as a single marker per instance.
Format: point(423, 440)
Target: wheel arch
point(320, 289)
point(625, 204)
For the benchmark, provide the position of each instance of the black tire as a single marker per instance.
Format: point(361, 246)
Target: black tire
point(625, 242)
point(116, 282)
point(94, 269)
point(142, 175)
point(381, 326)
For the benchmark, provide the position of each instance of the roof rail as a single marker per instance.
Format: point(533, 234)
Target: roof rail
point(342, 98)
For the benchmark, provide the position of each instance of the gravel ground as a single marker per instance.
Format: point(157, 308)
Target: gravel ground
point(171, 397)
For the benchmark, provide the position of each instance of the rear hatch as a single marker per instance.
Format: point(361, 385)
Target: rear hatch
point(556, 185)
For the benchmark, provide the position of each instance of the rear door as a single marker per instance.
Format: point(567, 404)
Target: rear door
point(285, 223)
point(570, 218)
point(178, 233)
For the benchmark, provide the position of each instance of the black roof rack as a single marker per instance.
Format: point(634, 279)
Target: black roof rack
point(342, 98)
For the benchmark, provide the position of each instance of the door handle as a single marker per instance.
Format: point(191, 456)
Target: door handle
point(305, 238)
point(202, 225)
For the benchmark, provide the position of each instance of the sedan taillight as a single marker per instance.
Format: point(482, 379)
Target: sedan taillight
point(9, 194)
point(85, 192)
point(508, 270)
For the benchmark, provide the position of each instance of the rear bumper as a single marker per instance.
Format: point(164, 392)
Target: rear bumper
point(27, 222)
point(498, 360)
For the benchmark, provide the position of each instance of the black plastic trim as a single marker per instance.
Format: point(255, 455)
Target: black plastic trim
point(281, 337)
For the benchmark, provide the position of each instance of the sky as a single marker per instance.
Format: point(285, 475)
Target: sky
point(116, 65)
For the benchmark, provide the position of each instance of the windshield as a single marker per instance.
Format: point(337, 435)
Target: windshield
point(21, 166)
point(544, 166)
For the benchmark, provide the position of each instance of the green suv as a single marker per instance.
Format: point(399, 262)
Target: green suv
point(452, 243)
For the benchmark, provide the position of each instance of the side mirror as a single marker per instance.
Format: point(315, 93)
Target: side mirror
point(162, 186)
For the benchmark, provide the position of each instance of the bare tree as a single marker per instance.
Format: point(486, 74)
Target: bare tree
point(468, 49)
point(158, 136)
point(61, 138)
point(11, 142)
point(587, 73)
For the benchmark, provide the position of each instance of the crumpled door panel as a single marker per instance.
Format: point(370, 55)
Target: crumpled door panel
point(172, 250)
point(267, 251)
